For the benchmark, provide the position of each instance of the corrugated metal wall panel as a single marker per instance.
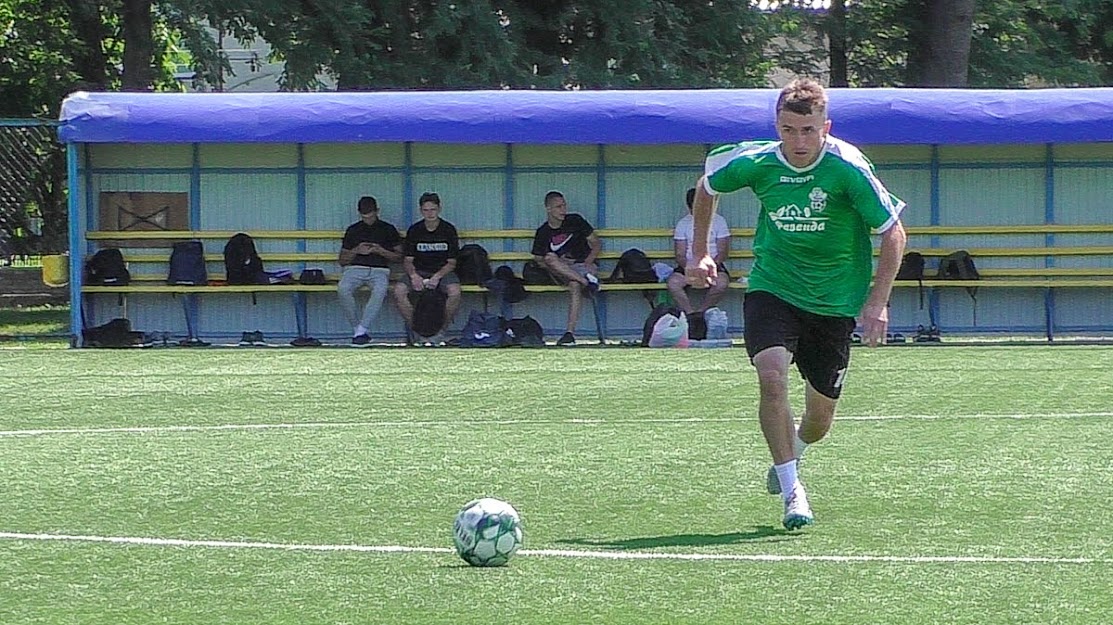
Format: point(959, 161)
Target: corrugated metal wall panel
point(976, 186)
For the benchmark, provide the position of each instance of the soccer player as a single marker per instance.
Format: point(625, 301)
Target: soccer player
point(813, 261)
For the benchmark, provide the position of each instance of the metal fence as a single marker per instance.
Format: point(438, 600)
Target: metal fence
point(32, 191)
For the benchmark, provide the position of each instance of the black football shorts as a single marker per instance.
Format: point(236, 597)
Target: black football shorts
point(820, 345)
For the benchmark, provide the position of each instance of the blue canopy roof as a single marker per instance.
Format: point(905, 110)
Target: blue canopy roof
point(867, 116)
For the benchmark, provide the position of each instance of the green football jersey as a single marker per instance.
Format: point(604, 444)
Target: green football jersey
point(812, 246)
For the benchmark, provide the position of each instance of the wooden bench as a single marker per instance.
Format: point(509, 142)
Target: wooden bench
point(657, 244)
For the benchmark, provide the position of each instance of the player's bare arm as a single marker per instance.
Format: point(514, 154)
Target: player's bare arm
point(875, 314)
point(704, 271)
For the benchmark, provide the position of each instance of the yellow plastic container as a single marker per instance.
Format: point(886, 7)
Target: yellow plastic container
point(56, 270)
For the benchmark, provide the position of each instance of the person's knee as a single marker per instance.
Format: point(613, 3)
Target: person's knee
point(772, 371)
point(722, 283)
point(401, 291)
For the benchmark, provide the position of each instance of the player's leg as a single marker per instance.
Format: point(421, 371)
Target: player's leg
point(772, 329)
point(351, 279)
point(402, 290)
point(450, 286)
point(823, 356)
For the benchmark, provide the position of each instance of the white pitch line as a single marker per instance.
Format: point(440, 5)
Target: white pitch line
point(560, 553)
point(159, 429)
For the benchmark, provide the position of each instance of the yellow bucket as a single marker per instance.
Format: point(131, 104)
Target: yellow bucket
point(56, 270)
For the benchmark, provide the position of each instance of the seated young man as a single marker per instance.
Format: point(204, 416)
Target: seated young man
point(718, 245)
point(566, 244)
point(368, 248)
point(430, 251)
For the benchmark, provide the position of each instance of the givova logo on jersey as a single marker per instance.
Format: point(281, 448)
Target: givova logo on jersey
point(792, 218)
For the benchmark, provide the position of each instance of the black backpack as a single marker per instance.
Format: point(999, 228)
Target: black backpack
point(534, 272)
point(513, 288)
point(473, 266)
point(428, 317)
point(960, 266)
point(107, 268)
point(115, 333)
point(912, 268)
point(633, 267)
point(242, 264)
point(524, 332)
point(187, 264)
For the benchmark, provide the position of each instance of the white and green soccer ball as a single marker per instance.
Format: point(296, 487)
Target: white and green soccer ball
point(487, 532)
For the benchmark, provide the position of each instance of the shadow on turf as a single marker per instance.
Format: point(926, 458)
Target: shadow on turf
point(688, 540)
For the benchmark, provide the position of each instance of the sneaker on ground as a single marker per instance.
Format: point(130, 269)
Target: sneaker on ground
point(257, 339)
point(797, 511)
point(567, 339)
point(305, 341)
point(361, 340)
point(246, 339)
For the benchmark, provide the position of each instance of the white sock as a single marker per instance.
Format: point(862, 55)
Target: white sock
point(799, 446)
point(359, 330)
point(786, 475)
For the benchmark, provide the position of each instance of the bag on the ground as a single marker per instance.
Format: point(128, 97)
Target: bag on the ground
point(651, 320)
point(312, 276)
point(670, 331)
point(633, 267)
point(717, 323)
point(483, 329)
point(697, 326)
point(187, 264)
point(959, 265)
point(115, 333)
point(107, 268)
point(524, 332)
point(242, 264)
point(534, 272)
point(428, 317)
point(473, 265)
point(511, 288)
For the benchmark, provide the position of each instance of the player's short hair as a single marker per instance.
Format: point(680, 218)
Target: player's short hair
point(368, 204)
point(803, 96)
point(429, 196)
point(690, 196)
point(552, 195)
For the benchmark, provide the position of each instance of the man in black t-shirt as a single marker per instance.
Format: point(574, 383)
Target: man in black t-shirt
point(430, 261)
point(567, 246)
point(368, 248)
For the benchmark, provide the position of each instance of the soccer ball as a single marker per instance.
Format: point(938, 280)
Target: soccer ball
point(487, 532)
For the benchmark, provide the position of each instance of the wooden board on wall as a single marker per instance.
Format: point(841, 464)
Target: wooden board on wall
point(142, 211)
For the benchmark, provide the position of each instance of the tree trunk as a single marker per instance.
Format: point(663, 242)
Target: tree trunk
point(944, 49)
point(139, 47)
point(90, 62)
point(836, 42)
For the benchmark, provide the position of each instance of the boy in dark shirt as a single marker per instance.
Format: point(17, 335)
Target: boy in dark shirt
point(368, 248)
point(429, 261)
point(567, 246)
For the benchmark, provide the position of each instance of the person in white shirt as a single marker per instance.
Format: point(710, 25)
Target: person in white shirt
point(718, 246)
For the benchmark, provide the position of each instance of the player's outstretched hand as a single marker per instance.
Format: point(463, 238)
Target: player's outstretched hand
point(702, 274)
